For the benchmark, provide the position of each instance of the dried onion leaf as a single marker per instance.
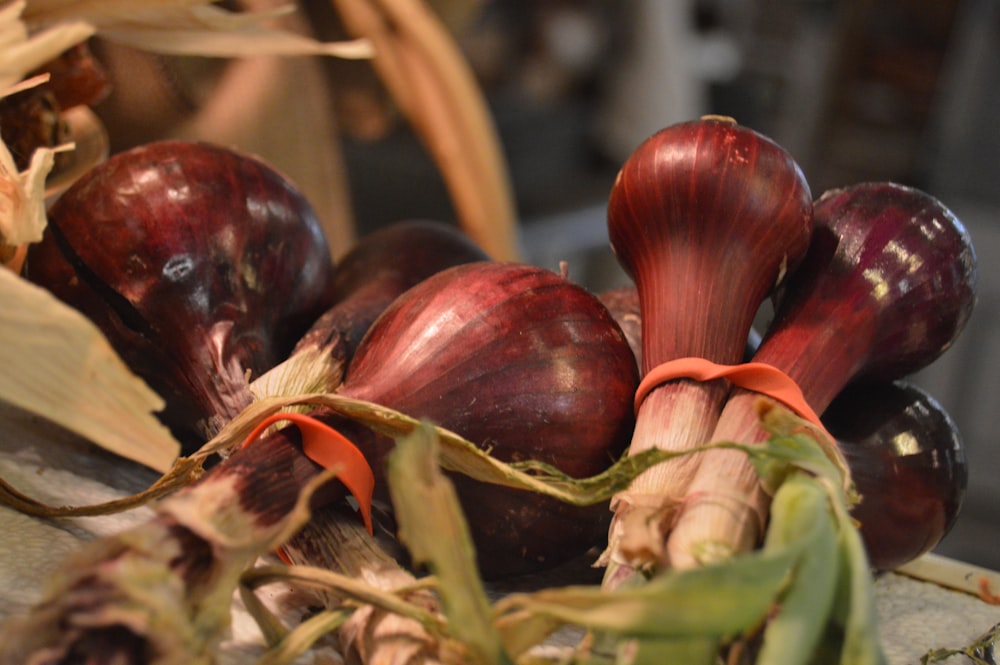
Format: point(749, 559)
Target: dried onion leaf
point(211, 31)
point(58, 365)
point(189, 28)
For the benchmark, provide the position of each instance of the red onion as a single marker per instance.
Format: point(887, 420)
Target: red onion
point(887, 286)
point(522, 362)
point(706, 217)
point(201, 266)
point(908, 463)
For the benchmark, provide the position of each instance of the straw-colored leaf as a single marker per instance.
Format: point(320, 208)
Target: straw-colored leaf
point(463, 456)
point(311, 370)
point(22, 196)
point(57, 364)
point(432, 84)
point(353, 591)
point(297, 642)
point(21, 53)
point(191, 28)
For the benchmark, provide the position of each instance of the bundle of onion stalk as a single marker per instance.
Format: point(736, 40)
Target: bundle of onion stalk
point(887, 286)
point(905, 453)
point(707, 217)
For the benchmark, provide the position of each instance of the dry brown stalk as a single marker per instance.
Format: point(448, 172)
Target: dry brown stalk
point(161, 592)
point(435, 89)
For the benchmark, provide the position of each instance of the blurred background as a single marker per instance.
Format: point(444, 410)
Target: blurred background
point(902, 90)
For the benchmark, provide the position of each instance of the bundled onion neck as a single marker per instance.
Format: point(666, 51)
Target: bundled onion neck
point(706, 217)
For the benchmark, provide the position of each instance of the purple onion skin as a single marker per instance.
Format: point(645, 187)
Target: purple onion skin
point(887, 286)
point(908, 462)
point(706, 217)
point(379, 268)
point(198, 263)
point(525, 364)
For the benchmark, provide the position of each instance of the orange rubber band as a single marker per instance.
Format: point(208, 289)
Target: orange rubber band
point(759, 377)
point(331, 449)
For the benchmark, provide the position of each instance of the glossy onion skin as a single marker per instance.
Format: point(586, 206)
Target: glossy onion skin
point(197, 262)
point(706, 216)
point(524, 363)
point(887, 286)
point(381, 266)
point(908, 462)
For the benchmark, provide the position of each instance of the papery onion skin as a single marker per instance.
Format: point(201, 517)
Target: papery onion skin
point(908, 462)
point(200, 264)
point(888, 285)
point(525, 364)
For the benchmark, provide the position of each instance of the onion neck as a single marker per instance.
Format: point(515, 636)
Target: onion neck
point(819, 353)
point(220, 377)
point(693, 307)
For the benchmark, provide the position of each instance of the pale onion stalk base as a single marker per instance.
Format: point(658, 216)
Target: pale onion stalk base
point(677, 417)
point(726, 507)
